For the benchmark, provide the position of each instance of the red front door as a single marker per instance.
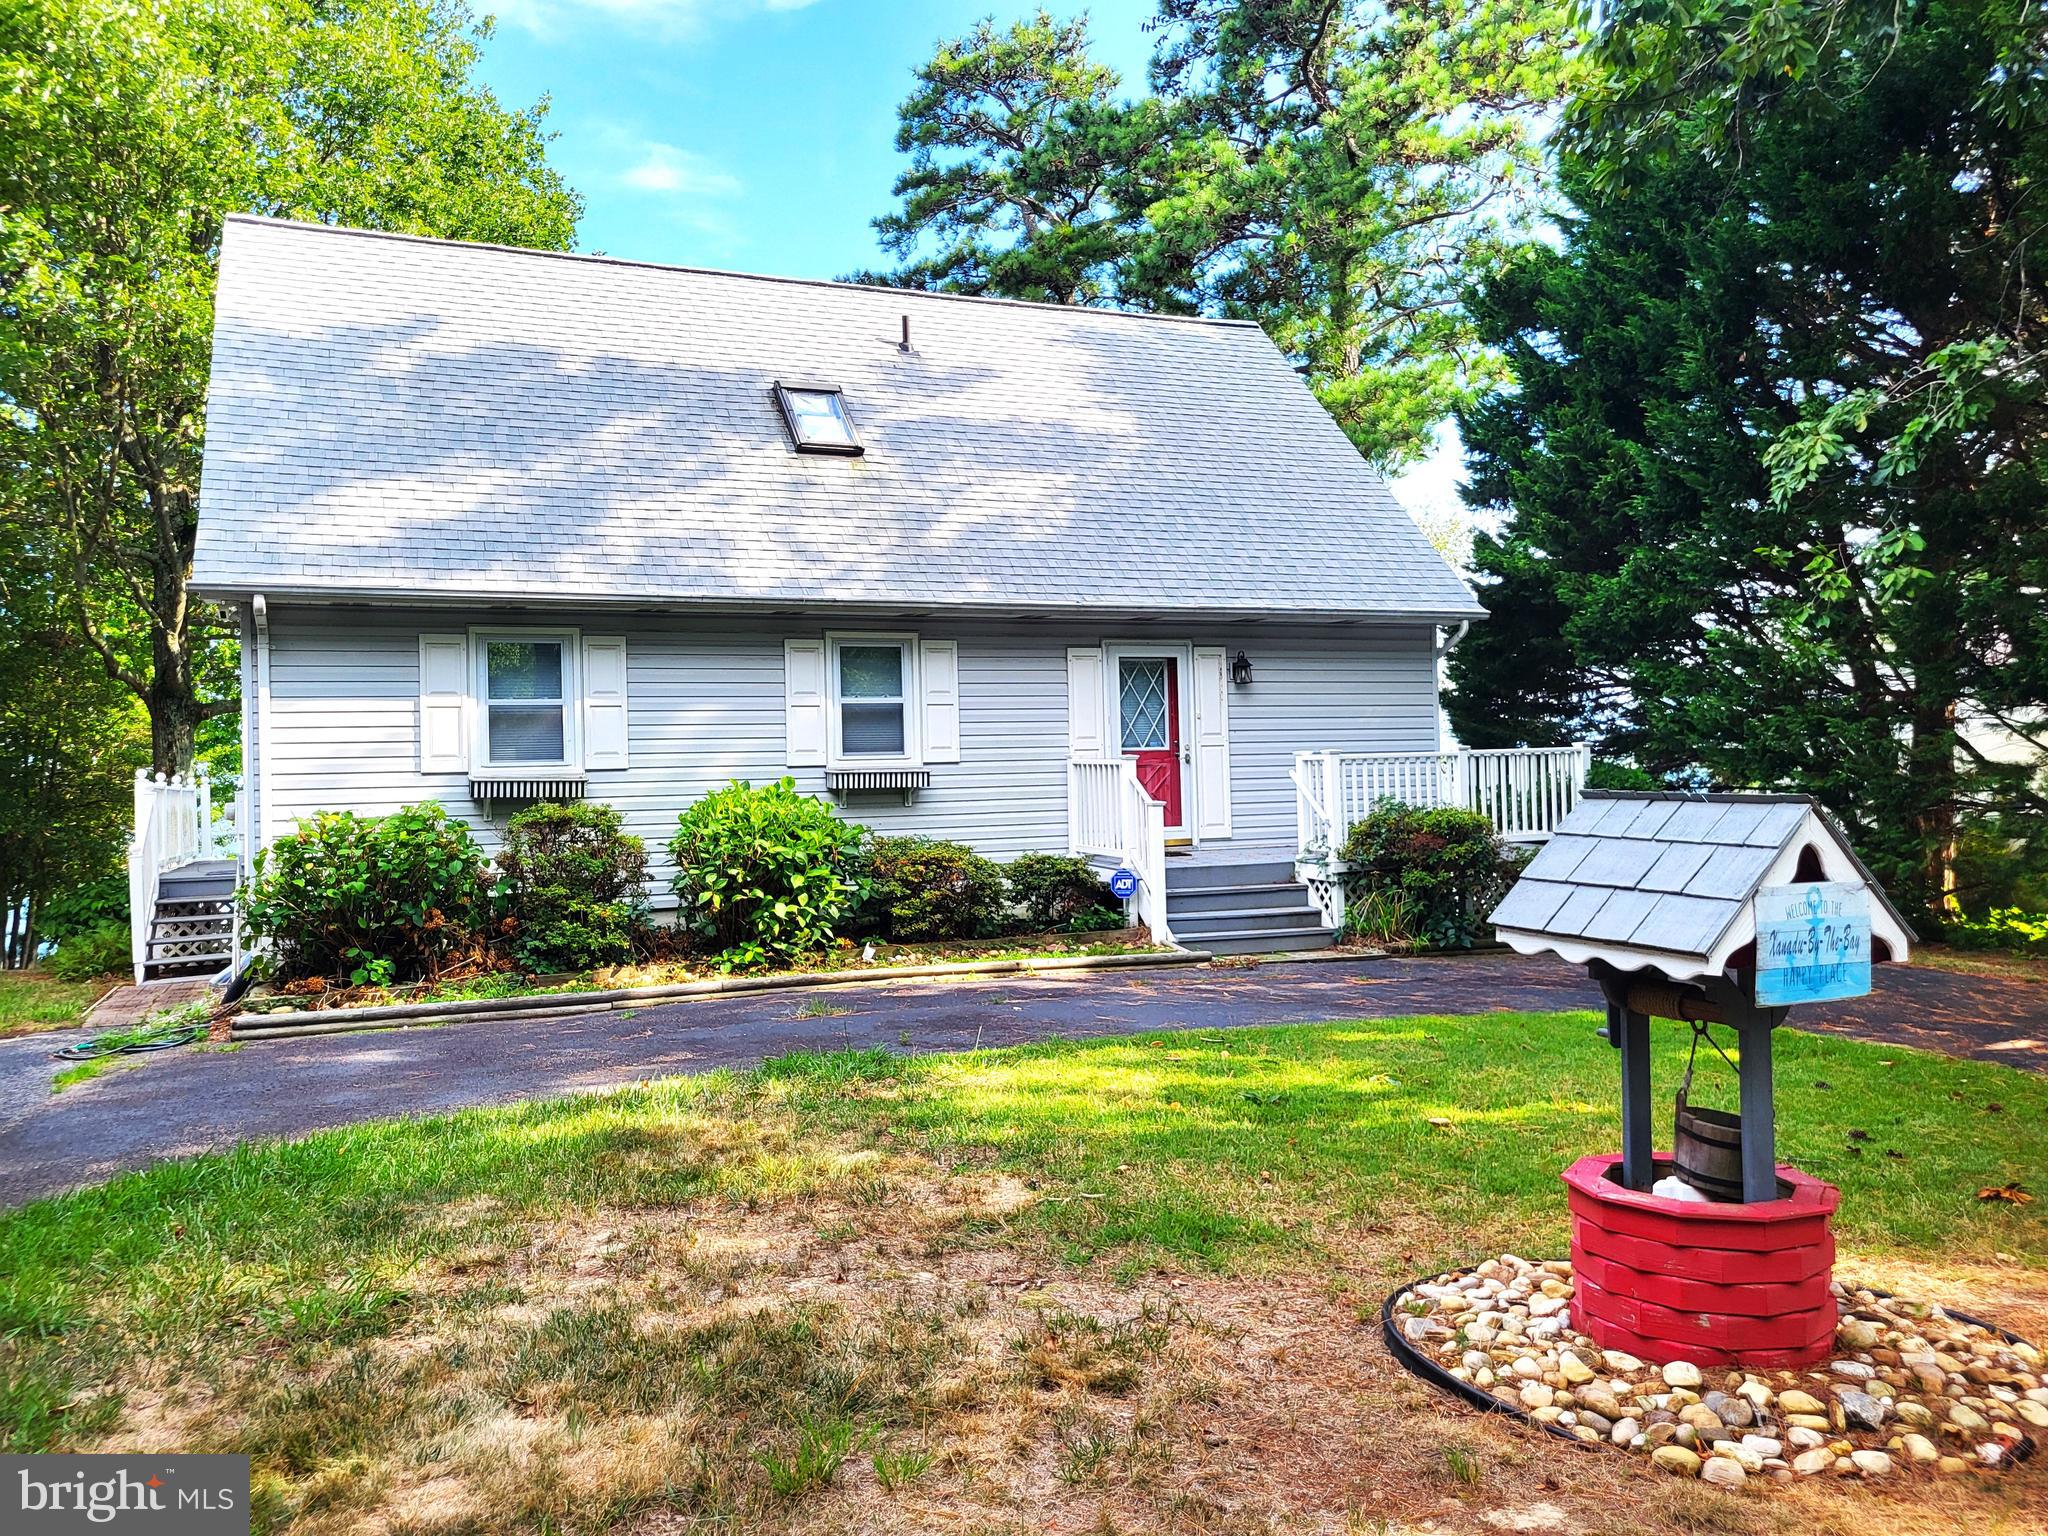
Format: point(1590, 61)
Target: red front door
point(1148, 712)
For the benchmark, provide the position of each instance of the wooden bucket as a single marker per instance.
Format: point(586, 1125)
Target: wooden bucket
point(1707, 1151)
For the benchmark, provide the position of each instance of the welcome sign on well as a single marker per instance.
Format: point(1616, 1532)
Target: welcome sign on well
point(1812, 942)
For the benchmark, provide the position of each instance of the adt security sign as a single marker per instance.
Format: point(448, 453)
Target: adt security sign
point(1123, 885)
point(1812, 942)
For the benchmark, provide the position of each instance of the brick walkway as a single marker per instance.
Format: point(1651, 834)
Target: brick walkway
point(130, 1005)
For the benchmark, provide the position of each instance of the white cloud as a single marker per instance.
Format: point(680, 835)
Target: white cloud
point(656, 184)
point(669, 171)
point(667, 18)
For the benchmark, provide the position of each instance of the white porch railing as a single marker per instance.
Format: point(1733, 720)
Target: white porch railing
point(174, 825)
point(1523, 791)
point(1109, 816)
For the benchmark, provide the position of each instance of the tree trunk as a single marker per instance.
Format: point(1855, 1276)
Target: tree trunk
point(173, 698)
point(174, 709)
point(1931, 771)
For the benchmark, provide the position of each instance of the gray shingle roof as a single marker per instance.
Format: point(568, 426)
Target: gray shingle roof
point(394, 416)
point(1669, 873)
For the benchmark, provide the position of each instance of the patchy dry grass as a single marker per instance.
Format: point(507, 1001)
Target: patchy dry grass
point(1124, 1286)
point(35, 1000)
point(2003, 964)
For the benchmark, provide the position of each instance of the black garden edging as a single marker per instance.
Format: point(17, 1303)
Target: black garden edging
point(1419, 1364)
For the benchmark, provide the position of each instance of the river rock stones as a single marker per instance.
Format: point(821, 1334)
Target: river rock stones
point(1911, 1391)
point(1675, 1459)
point(1723, 1472)
point(1859, 1410)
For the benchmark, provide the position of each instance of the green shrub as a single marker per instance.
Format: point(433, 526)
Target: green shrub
point(1103, 919)
point(1383, 918)
point(370, 899)
point(1605, 773)
point(2001, 928)
point(2001, 861)
point(920, 888)
point(764, 874)
point(84, 909)
point(1447, 865)
point(94, 953)
point(1056, 890)
point(573, 886)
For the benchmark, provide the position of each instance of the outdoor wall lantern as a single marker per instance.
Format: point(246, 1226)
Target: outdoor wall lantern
point(1241, 670)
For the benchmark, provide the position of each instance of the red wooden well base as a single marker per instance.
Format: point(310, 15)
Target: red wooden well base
point(1715, 1284)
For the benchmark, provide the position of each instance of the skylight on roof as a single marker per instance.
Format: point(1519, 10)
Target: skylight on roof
point(817, 420)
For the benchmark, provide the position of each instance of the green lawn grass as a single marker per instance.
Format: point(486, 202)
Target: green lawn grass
point(1385, 1148)
point(33, 1000)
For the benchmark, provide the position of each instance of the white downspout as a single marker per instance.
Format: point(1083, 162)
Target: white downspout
point(260, 612)
point(1444, 646)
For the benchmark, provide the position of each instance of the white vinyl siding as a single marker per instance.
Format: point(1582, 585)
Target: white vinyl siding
point(1342, 690)
point(706, 704)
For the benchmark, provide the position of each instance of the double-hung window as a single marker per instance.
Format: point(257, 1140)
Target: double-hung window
point(872, 686)
point(526, 691)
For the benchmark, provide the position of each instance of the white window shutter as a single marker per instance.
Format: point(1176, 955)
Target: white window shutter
point(604, 702)
point(1212, 742)
point(939, 667)
point(804, 702)
point(1085, 708)
point(444, 703)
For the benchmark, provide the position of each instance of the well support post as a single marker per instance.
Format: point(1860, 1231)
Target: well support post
point(1629, 1033)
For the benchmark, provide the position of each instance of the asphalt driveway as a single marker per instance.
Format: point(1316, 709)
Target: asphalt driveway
point(196, 1101)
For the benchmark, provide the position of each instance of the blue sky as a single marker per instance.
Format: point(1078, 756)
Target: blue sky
point(759, 135)
point(755, 134)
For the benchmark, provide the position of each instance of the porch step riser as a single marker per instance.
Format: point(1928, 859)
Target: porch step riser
point(1279, 941)
point(174, 970)
point(1195, 930)
point(212, 889)
point(1182, 876)
point(1246, 898)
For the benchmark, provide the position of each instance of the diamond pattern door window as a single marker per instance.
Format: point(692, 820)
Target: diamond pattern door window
point(1141, 692)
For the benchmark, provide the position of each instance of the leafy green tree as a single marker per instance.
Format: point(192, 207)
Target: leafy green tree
point(1658, 583)
point(1672, 84)
point(1335, 170)
point(1015, 143)
point(70, 742)
point(126, 132)
point(1341, 171)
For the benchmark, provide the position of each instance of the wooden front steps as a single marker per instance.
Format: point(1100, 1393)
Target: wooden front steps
point(1250, 907)
point(192, 929)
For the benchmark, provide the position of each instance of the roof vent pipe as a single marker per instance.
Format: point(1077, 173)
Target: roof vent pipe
point(904, 344)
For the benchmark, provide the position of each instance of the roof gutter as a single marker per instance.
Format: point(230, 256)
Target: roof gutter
point(387, 597)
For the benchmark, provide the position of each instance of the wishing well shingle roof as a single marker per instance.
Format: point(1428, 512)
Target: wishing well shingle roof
point(401, 417)
point(1670, 874)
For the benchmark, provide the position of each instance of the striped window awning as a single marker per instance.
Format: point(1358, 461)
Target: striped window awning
point(507, 787)
point(840, 780)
